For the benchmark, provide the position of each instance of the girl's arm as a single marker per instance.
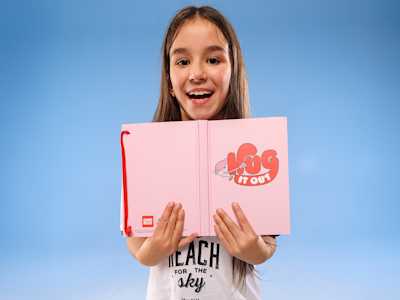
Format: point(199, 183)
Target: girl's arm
point(166, 239)
point(134, 244)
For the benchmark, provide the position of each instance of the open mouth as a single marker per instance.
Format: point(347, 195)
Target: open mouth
point(199, 95)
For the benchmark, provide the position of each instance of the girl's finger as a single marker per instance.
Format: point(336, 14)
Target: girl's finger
point(163, 221)
point(222, 239)
point(229, 238)
point(176, 234)
point(186, 240)
point(242, 219)
point(232, 226)
point(172, 221)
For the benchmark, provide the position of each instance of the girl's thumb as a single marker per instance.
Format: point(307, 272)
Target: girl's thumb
point(187, 240)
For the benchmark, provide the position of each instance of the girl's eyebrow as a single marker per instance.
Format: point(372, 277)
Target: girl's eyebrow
point(211, 48)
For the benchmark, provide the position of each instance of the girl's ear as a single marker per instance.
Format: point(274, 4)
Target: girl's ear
point(171, 91)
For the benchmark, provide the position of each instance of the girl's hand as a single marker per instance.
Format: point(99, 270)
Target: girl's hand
point(167, 236)
point(240, 240)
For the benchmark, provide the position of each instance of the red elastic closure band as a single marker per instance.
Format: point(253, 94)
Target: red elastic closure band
point(127, 229)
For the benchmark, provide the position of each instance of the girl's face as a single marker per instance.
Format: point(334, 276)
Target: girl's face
point(200, 69)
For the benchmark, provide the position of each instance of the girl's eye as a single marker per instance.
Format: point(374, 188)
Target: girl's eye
point(183, 62)
point(214, 61)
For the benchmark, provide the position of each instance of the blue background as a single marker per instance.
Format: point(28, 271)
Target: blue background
point(71, 72)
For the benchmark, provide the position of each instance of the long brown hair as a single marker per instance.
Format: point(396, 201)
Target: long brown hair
point(237, 105)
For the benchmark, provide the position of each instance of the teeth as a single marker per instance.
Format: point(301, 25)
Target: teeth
point(199, 93)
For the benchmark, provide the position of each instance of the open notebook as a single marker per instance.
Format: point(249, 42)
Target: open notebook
point(205, 165)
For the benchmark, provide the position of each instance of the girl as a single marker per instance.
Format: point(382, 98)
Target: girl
point(203, 77)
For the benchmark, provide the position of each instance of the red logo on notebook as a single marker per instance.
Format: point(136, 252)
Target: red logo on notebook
point(147, 221)
point(245, 167)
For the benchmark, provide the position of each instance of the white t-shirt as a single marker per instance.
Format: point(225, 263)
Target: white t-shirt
point(200, 271)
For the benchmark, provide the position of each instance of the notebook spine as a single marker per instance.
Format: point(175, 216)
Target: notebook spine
point(209, 168)
point(203, 174)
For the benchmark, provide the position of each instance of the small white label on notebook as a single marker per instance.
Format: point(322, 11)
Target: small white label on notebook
point(147, 221)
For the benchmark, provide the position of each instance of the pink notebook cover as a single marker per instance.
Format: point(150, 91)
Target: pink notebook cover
point(205, 165)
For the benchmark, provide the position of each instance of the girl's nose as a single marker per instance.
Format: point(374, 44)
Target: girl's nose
point(197, 73)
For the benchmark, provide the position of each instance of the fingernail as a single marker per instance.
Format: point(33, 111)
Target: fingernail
point(235, 204)
point(219, 210)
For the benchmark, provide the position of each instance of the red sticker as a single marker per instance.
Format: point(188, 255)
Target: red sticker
point(248, 168)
